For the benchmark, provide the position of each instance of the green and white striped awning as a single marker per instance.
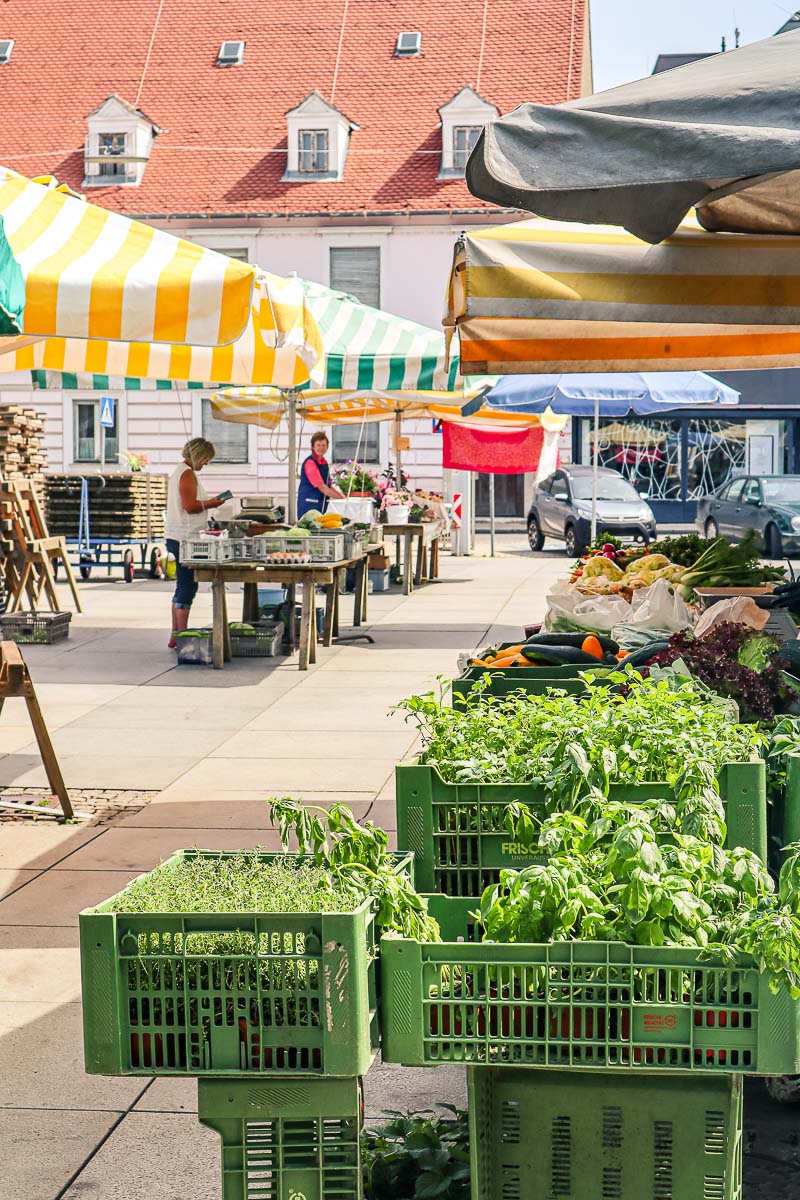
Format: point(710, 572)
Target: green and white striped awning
point(363, 348)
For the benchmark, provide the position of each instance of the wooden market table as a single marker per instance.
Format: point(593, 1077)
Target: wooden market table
point(311, 575)
point(427, 534)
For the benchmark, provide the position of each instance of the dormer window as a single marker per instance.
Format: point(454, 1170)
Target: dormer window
point(313, 151)
point(464, 139)
point(318, 137)
point(463, 121)
point(111, 148)
point(118, 144)
point(6, 46)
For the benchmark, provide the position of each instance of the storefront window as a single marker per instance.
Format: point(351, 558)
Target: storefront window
point(717, 451)
point(647, 452)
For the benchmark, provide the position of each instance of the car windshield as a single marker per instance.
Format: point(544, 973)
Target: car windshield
point(785, 490)
point(608, 488)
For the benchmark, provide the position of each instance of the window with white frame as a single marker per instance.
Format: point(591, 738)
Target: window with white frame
point(230, 439)
point(464, 139)
point(360, 442)
point(240, 253)
point(313, 151)
point(356, 270)
point(111, 148)
point(93, 442)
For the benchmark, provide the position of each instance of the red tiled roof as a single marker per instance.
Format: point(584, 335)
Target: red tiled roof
point(223, 145)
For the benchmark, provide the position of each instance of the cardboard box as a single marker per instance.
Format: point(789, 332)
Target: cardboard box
point(378, 562)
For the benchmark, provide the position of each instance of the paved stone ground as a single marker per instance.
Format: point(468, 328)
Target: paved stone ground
point(210, 747)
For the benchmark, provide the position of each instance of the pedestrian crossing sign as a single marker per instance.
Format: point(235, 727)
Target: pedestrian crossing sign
point(107, 412)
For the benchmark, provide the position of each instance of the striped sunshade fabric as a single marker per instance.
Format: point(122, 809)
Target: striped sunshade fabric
point(547, 297)
point(280, 345)
point(367, 348)
point(91, 273)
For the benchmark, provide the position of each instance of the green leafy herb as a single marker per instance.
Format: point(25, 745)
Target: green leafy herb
point(418, 1156)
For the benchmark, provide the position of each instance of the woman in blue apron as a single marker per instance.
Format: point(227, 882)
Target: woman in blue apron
point(314, 490)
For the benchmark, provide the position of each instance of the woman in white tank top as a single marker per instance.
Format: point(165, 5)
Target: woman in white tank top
point(187, 504)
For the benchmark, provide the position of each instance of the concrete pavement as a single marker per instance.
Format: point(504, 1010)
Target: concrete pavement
point(214, 745)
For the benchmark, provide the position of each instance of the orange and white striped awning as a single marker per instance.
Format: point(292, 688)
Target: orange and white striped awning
point(280, 345)
point(546, 297)
point(91, 273)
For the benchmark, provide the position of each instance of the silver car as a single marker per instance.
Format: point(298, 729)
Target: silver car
point(562, 508)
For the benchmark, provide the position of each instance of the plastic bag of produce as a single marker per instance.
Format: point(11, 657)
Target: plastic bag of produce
point(654, 611)
point(568, 610)
point(741, 610)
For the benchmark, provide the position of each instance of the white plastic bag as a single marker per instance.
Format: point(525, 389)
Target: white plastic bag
point(569, 610)
point(658, 610)
point(741, 610)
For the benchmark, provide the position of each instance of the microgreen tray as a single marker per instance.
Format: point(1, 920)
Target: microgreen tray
point(536, 1135)
point(578, 1004)
point(229, 993)
point(460, 842)
point(285, 1140)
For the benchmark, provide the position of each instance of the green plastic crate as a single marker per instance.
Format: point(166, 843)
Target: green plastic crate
point(578, 1004)
point(545, 1135)
point(286, 1139)
point(534, 680)
point(460, 843)
point(166, 994)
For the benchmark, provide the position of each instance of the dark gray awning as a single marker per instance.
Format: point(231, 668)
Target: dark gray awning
point(722, 133)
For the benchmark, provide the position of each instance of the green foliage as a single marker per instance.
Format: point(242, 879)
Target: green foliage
point(356, 859)
point(418, 1156)
point(576, 748)
point(242, 882)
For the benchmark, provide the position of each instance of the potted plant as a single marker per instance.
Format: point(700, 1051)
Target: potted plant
point(356, 481)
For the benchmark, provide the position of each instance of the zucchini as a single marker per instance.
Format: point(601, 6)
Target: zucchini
point(789, 654)
point(572, 639)
point(638, 658)
point(559, 656)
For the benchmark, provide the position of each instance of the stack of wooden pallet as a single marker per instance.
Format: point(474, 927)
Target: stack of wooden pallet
point(22, 454)
point(120, 506)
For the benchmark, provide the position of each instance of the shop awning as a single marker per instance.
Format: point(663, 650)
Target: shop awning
point(91, 273)
point(279, 346)
point(544, 297)
point(722, 134)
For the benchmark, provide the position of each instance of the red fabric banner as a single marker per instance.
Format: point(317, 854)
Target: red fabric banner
point(491, 452)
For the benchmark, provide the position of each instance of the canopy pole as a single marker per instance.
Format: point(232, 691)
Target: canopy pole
point(291, 407)
point(491, 515)
point(397, 452)
point(595, 455)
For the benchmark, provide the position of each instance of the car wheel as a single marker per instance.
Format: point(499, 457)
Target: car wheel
point(712, 529)
point(535, 535)
point(773, 542)
point(575, 546)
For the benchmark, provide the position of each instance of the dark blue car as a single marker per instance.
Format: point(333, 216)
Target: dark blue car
point(770, 504)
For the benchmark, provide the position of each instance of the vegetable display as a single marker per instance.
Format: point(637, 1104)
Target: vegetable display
point(735, 661)
point(552, 650)
point(729, 564)
point(652, 729)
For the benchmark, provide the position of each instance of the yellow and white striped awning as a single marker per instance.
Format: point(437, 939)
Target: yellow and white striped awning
point(280, 345)
point(547, 297)
point(260, 406)
point(91, 273)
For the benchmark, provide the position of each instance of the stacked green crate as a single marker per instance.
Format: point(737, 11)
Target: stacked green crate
point(537, 1135)
point(275, 1013)
point(660, 1038)
point(286, 1139)
point(460, 843)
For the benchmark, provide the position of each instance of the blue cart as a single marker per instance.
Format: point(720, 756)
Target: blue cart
point(87, 552)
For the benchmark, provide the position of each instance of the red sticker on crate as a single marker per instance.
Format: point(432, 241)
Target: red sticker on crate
point(656, 1021)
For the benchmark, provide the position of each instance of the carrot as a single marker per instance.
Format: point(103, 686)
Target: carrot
point(590, 645)
point(505, 661)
